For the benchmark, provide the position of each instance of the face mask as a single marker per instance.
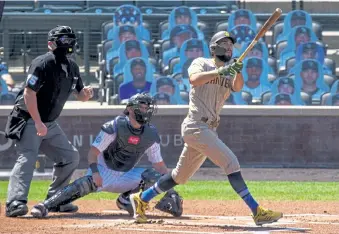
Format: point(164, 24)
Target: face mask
point(143, 118)
point(220, 54)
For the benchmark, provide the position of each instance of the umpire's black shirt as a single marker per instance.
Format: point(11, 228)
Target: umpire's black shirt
point(53, 81)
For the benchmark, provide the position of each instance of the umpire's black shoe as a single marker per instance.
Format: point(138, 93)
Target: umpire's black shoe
point(67, 208)
point(16, 208)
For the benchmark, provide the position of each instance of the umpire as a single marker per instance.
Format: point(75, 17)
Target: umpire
point(52, 77)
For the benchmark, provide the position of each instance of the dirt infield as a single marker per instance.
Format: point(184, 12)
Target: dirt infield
point(199, 217)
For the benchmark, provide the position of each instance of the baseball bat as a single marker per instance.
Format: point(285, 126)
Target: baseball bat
point(268, 24)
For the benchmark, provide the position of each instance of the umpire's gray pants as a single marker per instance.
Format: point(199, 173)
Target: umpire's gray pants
point(56, 147)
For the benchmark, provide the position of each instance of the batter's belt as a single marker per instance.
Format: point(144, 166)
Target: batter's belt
point(210, 122)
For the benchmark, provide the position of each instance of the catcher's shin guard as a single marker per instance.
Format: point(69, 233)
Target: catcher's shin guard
point(79, 188)
point(171, 203)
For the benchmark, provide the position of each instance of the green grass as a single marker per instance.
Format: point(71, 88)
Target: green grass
point(219, 190)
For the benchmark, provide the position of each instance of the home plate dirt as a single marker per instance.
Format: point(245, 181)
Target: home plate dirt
point(200, 217)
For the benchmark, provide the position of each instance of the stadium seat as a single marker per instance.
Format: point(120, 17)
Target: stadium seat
point(206, 10)
point(47, 10)
point(169, 5)
point(185, 96)
point(7, 99)
point(107, 4)
point(265, 97)
point(223, 26)
point(325, 99)
point(330, 63)
point(19, 6)
point(226, 6)
point(329, 79)
point(247, 97)
point(98, 10)
point(63, 5)
point(306, 98)
point(149, 10)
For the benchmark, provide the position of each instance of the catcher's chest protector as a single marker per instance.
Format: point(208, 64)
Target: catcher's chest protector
point(129, 146)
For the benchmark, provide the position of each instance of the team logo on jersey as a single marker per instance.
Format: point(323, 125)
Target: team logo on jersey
point(224, 81)
point(99, 138)
point(134, 140)
point(32, 79)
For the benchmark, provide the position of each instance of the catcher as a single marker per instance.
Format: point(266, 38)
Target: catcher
point(112, 158)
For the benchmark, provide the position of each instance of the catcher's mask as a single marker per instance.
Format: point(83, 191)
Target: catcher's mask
point(136, 102)
point(62, 40)
point(216, 49)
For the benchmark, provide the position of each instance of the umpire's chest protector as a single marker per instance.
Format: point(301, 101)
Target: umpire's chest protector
point(129, 146)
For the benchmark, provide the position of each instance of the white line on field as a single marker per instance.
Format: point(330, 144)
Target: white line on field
point(317, 215)
point(227, 217)
point(178, 231)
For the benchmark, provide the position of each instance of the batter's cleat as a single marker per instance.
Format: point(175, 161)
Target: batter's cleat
point(16, 208)
point(39, 211)
point(265, 216)
point(125, 206)
point(67, 208)
point(139, 208)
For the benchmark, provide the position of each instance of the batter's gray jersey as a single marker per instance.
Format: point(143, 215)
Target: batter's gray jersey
point(206, 101)
point(199, 127)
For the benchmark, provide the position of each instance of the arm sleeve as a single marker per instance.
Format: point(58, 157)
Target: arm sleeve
point(197, 66)
point(36, 75)
point(79, 86)
point(154, 154)
point(103, 140)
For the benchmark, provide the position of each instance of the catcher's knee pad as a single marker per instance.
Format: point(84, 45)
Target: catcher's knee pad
point(171, 203)
point(148, 178)
point(79, 188)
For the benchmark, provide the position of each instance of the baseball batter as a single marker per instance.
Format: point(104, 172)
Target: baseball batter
point(112, 158)
point(212, 82)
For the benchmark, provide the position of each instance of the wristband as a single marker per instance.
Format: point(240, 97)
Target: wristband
point(94, 167)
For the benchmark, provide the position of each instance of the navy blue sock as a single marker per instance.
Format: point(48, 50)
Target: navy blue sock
point(164, 184)
point(239, 185)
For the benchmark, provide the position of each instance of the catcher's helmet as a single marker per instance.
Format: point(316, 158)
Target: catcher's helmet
point(62, 37)
point(135, 101)
point(218, 36)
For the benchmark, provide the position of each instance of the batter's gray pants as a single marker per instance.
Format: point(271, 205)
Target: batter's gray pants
point(56, 146)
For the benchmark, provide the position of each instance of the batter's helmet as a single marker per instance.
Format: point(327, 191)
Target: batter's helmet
point(218, 36)
point(62, 37)
point(135, 101)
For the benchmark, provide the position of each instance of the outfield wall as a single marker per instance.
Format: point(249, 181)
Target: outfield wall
point(260, 136)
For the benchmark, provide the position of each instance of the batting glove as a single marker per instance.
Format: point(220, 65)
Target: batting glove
point(223, 71)
point(237, 66)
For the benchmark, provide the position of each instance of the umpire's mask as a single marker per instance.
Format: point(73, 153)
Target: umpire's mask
point(143, 107)
point(62, 41)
